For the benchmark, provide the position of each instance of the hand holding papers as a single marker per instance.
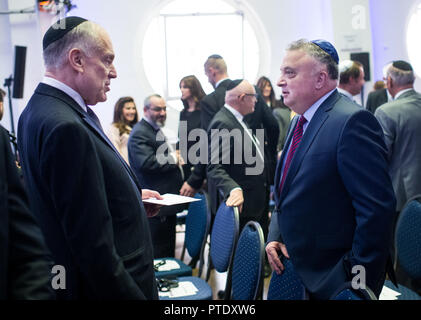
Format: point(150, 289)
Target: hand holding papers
point(170, 199)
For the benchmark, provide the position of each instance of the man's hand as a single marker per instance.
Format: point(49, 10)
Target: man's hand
point(187, 190)
point(151, 209)
point(272, 251)
point(180, 160)
point(236, 199)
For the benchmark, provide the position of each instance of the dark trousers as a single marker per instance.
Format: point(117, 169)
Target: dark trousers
point(163, 235)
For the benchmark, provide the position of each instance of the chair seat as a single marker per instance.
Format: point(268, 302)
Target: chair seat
point(204, 291)
point(405, 293)
point(183, 270)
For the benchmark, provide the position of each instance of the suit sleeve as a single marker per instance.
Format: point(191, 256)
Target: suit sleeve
point(215, 169)
point(76, 181)
point(389, 129)
point(362, 165)
point(143, 155)
point(29, 263)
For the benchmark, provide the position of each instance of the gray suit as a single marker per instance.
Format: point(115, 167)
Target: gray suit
point(401, 123)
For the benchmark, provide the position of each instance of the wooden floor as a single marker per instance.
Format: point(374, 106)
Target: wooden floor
point(217, 280)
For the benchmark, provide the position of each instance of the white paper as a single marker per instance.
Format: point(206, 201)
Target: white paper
point(185, 288)
point(167, 266)
point(170, 200)
point(388, 294)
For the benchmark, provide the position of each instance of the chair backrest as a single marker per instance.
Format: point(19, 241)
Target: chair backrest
point(287, 285)
point(197, 225)
point(247, 268)
point(224, 237)
point(347, 292)
point(408, 239)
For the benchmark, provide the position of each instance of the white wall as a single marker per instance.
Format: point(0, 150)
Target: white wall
point(282, 20)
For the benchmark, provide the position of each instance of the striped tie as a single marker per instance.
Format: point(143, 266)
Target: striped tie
point(298, 133)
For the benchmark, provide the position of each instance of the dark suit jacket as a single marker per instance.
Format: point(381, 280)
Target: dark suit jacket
point(25, 267)
point(164, 178)
point(227, 173)
point(401, 122)
point(87, 201)
point(337, 206)
point(375, 99)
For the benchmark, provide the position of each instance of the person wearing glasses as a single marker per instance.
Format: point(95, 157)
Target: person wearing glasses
point(158, 166)
point(240, 177)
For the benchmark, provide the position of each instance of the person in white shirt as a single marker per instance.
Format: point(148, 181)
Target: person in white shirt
point(351, 78)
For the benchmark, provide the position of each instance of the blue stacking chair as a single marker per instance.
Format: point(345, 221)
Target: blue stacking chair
point(347, 292)
point(223, 240)
point(247, 267)
point(408, 247)
point(287, 285)
point(197, 229)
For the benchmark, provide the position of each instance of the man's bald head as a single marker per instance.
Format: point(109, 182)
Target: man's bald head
point(241, 96)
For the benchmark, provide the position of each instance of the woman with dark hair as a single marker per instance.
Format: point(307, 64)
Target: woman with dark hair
point(191, 95)
point(280, 111)
point(125, 117)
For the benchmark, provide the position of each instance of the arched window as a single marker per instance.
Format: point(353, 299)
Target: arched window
point(179, 40)
point(413, 39)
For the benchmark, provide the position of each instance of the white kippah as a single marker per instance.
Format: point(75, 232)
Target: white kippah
point(345, 65)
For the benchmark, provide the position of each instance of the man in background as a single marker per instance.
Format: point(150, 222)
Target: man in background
point(157, 166)
point(351, 78)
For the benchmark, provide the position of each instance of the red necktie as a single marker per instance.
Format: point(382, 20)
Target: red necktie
point(298, 133)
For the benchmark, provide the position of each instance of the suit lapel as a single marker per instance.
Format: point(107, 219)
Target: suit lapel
point(310, 134)
point(54, 92)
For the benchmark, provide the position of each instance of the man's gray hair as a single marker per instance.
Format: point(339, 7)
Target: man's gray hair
point(147, 101)
point(401, 77)
point(317, 53)
point(84, 37)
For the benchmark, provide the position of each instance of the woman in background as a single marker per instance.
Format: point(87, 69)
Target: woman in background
point(280, 111)
point(125, 117)
point(191, 95)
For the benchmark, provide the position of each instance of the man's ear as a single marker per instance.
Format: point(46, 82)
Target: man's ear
point(321, 79)
point(76, 60)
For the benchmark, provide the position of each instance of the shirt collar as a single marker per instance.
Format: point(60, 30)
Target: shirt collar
point(219, 82)
point(312, 110)
point(346, 93)
point(401, 93)
point(66, 89)
point(153, 124)
point(236, 114)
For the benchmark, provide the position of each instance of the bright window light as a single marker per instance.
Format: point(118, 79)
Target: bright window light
point(413, 40)
point(186, 32)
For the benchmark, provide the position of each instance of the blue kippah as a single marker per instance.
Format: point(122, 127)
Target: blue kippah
point(328, 48)
point(59, 29)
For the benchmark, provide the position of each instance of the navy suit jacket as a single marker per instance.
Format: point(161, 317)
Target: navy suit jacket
point(86, 200)
point(337, 206)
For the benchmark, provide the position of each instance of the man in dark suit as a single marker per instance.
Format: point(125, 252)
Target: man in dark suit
point(400, 120)
point(261, 118)
point(25, 268)
point(87, 200)
point(157, 166)
point(378, 97)
point(334, 198)
point(232, 145)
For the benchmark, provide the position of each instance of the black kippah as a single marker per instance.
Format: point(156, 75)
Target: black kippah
point(59, 29)
point(402, 65)
point(233, 84)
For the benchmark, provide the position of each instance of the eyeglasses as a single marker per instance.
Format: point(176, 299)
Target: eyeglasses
point(165, 285)
point(159, 109)
point(250, 95)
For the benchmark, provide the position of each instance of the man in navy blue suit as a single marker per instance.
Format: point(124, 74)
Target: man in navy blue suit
point(334, 199)
point(86, 198)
